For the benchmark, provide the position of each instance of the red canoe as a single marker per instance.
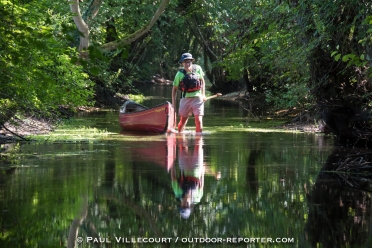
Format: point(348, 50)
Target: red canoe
point(135, 117)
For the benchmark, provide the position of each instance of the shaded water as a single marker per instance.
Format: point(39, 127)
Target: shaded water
point(245, 189)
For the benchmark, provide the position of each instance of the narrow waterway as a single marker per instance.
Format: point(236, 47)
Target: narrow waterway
point(228, 188)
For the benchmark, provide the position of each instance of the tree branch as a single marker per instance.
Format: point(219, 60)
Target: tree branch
point(203, 41)
point(95, 6)
point(10, 131)
point(136, 35)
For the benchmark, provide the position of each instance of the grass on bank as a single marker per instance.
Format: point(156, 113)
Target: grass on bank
point(83, 130)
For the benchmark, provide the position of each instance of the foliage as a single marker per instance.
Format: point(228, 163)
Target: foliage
point(35, 67)
point(339, 31)
point(273, 48)
point(264, 46)
point(291, 95)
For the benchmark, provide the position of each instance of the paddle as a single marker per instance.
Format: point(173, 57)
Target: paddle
point(213, 96)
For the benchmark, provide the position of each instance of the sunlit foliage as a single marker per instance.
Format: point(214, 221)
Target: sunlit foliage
point(35, 68)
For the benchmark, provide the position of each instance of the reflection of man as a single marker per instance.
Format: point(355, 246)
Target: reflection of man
point(188, 184)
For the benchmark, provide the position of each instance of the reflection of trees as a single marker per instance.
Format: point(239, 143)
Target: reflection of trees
point(252, 199)
point(117, 208)
point(340, 202)
point(251, 171)
point(74, 228)
point(130, 195)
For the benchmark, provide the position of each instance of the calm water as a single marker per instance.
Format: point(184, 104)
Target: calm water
point(243, 189)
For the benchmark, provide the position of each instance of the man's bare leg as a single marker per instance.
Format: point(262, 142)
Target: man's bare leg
point(199, 123)
point(182, 124)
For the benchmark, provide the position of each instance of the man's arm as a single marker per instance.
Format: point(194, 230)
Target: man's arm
point(174, 96)
point(174, 91)
point(174, 101)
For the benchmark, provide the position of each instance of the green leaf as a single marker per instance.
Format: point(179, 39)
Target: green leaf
point(74, 60)
point(346, 57)
point(95, 71)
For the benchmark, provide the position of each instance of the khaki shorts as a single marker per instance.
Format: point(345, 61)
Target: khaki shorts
point(191, 105)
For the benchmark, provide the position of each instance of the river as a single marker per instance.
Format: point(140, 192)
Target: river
point(234, 187)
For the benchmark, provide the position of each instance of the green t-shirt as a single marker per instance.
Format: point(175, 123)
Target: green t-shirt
point(179, 76)
point(196, 194)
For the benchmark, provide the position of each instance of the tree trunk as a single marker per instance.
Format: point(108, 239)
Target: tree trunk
point(80, 24)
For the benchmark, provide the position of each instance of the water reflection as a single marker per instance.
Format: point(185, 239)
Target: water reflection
point(160, 152)
point(340, 201)
point(188, 178)
point(182, 156)
point(127, 189)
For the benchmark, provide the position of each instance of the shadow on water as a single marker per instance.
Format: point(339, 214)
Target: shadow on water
point(340, 208)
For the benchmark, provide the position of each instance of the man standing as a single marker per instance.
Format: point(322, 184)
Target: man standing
point(190, 80)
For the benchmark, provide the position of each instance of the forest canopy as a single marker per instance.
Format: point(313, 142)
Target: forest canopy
point(311, 55)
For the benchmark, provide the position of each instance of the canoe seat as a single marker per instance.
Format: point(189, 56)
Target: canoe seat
point(131, 107)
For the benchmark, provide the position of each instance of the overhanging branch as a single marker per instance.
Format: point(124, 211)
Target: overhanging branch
point(139, 33)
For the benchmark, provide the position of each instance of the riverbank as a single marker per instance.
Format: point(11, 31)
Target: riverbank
point(18, 129)
point(256, 106)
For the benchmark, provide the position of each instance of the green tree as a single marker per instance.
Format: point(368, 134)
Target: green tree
point(339, 57)
point(35, 63)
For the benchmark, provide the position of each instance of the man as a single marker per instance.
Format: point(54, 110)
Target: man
point(190, 80)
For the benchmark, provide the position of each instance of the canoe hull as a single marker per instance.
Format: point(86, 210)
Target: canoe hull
point(159, 119)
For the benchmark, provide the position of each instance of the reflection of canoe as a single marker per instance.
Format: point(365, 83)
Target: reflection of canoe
point(135, 117)
point(161, 153)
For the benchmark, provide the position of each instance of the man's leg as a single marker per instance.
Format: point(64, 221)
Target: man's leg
point(199, 123)
point(182, 123)
point(198, 111)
